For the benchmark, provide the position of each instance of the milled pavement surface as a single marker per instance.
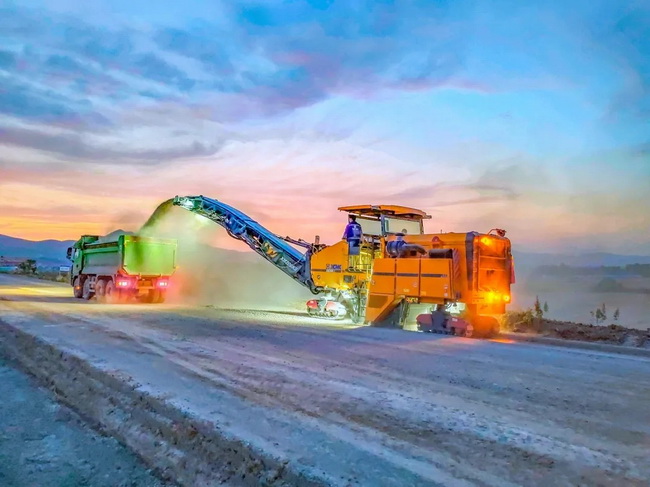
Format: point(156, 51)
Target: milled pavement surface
point(264, 397)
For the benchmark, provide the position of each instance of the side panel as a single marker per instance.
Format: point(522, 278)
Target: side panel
point(149, 258)
point(383, 277)
point(103, 259)
point(436, 278)
point(329, 268)
point(381, 292)
point(408, 277)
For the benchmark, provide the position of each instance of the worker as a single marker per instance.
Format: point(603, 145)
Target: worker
point(352, 234)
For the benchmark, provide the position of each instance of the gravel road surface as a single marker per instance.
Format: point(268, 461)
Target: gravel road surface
point(43, 443)
point(356, 405)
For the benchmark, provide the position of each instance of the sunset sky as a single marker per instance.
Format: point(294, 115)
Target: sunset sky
point(533, 116)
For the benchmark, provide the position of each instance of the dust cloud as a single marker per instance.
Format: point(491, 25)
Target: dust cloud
point(126, 222)
point(207, 275)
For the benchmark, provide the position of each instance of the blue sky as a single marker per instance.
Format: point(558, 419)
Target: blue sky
point(533, 116)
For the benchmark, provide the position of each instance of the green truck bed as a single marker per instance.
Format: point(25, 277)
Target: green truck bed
point(131, 254)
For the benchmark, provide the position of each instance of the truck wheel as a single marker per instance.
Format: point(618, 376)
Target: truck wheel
point(100, 290)
point(111, 295)
point(155, 296)
point(87, 293)
point(77, 289)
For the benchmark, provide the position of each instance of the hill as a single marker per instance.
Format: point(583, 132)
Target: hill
point(52, 252)
point(45, 252)
point(529, 261)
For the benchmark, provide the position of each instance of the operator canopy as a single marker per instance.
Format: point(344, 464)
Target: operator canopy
point(387, 210)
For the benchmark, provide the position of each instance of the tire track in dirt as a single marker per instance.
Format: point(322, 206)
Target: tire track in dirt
point(269, 380)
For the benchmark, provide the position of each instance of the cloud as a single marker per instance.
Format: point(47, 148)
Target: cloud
point(76, 147)
point(329, 103)
point(154, 68)
point(621, 36)
point(26, 101)
point(67, 72)
point(202, 44)
point(7, 60)
point(285, 56)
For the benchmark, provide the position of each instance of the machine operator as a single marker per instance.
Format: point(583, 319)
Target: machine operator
point(352, 235)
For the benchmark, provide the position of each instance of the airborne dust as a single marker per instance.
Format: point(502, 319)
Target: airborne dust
point(207, 275)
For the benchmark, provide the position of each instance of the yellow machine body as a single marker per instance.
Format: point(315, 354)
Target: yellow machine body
point(469, 273)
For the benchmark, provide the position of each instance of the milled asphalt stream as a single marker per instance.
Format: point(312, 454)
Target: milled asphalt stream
point(210, 396)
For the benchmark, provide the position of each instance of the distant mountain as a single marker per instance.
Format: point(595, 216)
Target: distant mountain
point(45, 252)
point(114, 235)
point(52, 252)
point(530, 260)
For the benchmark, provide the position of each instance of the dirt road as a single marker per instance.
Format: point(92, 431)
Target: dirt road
point(44, 443)
point(353, 405)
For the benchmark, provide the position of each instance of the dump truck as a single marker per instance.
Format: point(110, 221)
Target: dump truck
point(121, 268)
point(453, 283)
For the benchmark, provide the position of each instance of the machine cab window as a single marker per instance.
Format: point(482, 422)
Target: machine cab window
point(400, 225)
point(385, 220)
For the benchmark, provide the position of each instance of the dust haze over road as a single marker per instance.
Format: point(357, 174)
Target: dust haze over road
point(351, 405)
point(210, 275)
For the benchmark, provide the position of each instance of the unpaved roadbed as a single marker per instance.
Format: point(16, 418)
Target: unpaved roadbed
point(576, 344)
point(180, 447)
point(612, 334)
point(45, 443)
point(341, 405)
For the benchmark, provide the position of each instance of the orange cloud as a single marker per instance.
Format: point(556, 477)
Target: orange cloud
point(294, 188)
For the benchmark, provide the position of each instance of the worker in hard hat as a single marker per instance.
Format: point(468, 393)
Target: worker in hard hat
point(352, 235)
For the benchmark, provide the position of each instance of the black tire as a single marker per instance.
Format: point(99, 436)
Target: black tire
point(155, 296)
point(100, 290)
point(87, 293)
point(77, 288)
point(111, 295)
point(484, 327)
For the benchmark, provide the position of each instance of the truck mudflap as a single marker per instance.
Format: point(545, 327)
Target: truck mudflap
point(442, 323)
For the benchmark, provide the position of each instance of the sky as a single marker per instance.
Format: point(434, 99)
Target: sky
point(528, 116)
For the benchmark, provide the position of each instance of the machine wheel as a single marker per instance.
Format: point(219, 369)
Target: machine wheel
point(111, 295)
point(77, 289)
point(100, 290)
point(87, 293)
point(484, 327)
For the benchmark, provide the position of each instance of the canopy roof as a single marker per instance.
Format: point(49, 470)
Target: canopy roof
point(388, 210)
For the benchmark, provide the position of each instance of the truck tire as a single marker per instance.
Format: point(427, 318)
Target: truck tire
point(87, 293)
point(100, 290)
point(111, 295)
point(77, 289)
point(155, 296)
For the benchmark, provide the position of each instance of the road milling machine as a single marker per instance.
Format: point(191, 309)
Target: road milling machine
point(453, 283)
